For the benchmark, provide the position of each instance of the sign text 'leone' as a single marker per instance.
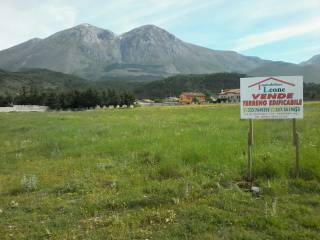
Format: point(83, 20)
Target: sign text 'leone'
point(272, 97)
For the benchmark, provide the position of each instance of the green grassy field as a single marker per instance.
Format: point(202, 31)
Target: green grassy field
point(156, 173)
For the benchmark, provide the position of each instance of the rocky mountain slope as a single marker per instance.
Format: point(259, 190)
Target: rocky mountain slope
point(144, 53)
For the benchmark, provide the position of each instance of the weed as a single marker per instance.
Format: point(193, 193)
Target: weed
point(29, 182)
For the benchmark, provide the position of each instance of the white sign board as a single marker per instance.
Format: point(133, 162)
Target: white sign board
point(271, 97)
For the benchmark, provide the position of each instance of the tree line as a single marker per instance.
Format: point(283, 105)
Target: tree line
point(89, 98)
point(209, 84)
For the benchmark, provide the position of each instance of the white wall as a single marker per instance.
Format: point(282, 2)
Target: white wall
point(24, 108)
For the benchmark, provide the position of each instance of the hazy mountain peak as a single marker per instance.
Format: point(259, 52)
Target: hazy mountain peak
point(314, 60)
point(89, 27)
point(85, 25)
point(84, 32)
point(148, 30)
point(150, 27)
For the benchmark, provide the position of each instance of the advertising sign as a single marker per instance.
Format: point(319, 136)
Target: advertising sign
point(272, 97)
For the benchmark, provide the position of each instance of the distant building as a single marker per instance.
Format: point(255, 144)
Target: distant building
point(229, 96)
point(171, 101)
point(146, 102)
point(192, 97)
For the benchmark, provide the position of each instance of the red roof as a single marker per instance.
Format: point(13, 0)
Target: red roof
point(272, 78)
point(230, 91)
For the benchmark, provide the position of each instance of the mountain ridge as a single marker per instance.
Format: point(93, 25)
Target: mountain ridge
point(147, 52)
point(313, 60)
point(143, 53)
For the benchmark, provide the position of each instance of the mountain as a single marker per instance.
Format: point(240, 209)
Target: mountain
point(144, 53)
point(310, 72)
point(69, 51)
point(314, 60)
point(163, 53)
point(147, 52)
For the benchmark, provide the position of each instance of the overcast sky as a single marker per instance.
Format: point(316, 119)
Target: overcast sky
point(287, 30)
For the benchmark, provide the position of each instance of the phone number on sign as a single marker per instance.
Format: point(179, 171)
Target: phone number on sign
point(271, 109)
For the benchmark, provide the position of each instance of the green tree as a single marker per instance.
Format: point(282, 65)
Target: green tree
point(52, 101)
point(196, 100)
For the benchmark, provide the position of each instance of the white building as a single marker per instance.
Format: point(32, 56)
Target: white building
point(229, 95)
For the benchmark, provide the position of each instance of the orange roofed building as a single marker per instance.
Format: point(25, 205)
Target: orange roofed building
point(190, 97)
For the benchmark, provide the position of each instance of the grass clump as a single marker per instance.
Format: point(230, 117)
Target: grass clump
point(302, 186)
point(310, 172)
point(266, 170)
point(170, 170)
point(73, 186)
point(149, 158)
point(29, 183)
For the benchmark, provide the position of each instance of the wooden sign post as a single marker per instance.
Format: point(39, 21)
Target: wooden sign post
point(296, 143)
point(250, 144)
point(272, 98)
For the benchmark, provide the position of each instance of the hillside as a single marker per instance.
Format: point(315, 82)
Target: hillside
point(46, 80)
point(206, 83)
point(310, 72)
point(173, 86)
